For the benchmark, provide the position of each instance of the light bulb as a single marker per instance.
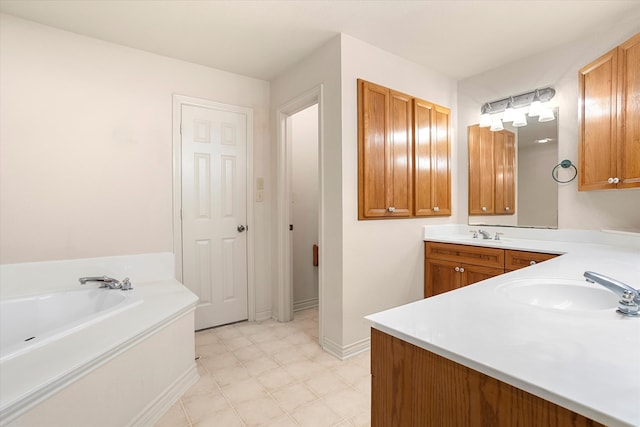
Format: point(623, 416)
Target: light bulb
point(485, 120)
point(496, 125)
point(509, 113)
point(536, 106)
point(520, 120)
point(546, 115)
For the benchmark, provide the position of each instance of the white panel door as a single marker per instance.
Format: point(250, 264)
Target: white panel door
point(214, 213)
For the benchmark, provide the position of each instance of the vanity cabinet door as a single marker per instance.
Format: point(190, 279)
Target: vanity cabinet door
point(440, 277)
point(514, 260)
point(385, 152)
point(481, 182)
point(432, 170)
point(475, 273)
point(609, 120)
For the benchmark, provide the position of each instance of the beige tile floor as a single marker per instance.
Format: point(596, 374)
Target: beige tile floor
point(272, 374)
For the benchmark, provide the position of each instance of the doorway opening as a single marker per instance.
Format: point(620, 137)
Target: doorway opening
point(304, 208)
point(299, 282)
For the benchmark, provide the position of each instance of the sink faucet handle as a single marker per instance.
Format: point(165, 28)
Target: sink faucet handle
point(475, 233)
point(497, 236)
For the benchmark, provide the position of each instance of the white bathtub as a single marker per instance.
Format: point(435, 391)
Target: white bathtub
point(35, 320)
point(100, 357)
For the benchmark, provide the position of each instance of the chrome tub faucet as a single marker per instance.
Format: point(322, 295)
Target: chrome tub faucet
point(629, 303)
point(108, 282)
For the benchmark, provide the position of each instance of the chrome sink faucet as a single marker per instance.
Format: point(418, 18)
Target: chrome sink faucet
point(108, 282)
point(485, 234)
point(629, 303)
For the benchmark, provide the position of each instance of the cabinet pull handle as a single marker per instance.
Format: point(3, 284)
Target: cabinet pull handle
point(457, 269)
point(391, 209)
point(532, 263)
point(461, 269)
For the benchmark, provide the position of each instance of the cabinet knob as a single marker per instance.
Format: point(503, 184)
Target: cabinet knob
point(457, 269)
point(532, 262)
point(614, 180)
point(436, 209)
point(461, 269)
point(507, 209)
point(484, 209)
point(391, 209)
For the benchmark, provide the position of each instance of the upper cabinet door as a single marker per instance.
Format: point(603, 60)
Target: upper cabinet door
point(432, 173)
point(629, 113)
point(384, 152)
point(400, 160)
point(609, 115)
point(504, 161)
point(597, 133)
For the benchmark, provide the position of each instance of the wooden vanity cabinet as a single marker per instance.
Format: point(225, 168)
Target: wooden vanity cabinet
point(411, 386)
point(449, 266)
point(432, 167)
point(385, 152)
point(492, 171)
point(609, 119)
point(514, 260)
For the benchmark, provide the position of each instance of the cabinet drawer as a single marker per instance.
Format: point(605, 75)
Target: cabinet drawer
point(475, 255)
point(520, 259)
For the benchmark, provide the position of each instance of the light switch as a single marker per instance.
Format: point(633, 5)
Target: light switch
point(259, 183)
point(260, 196)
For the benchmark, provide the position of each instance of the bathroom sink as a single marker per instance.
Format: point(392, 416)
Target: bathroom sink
point(560, 294)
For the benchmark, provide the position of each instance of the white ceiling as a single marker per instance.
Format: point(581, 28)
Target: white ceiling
point(262, 38)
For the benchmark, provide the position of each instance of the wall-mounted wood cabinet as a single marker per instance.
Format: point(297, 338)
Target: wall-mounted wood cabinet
point(609, 119)
point(403, 155)
point(491, 172)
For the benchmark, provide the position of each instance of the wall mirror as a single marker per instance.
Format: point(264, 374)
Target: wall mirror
point(536, 192)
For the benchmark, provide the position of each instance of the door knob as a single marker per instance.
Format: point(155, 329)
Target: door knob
point(241, 228)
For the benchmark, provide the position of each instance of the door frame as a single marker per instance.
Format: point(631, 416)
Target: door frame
point(178, 102)
point(284, 294)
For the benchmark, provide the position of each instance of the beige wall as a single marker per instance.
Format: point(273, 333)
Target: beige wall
point(592, 210)
point(383, 264)
point(86, 146)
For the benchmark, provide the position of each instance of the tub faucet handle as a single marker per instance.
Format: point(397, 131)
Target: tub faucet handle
point(125, 285)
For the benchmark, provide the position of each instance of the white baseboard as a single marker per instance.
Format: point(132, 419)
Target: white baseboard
point(264, 315)
point(156, 409)
point(347, 351)
point(305, 304)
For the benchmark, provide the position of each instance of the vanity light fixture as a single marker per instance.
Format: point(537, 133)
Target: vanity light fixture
point(532, 100)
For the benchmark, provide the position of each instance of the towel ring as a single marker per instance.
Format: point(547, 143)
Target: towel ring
point(565, 164)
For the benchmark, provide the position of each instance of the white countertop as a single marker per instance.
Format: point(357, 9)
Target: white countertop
point(585, 360)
